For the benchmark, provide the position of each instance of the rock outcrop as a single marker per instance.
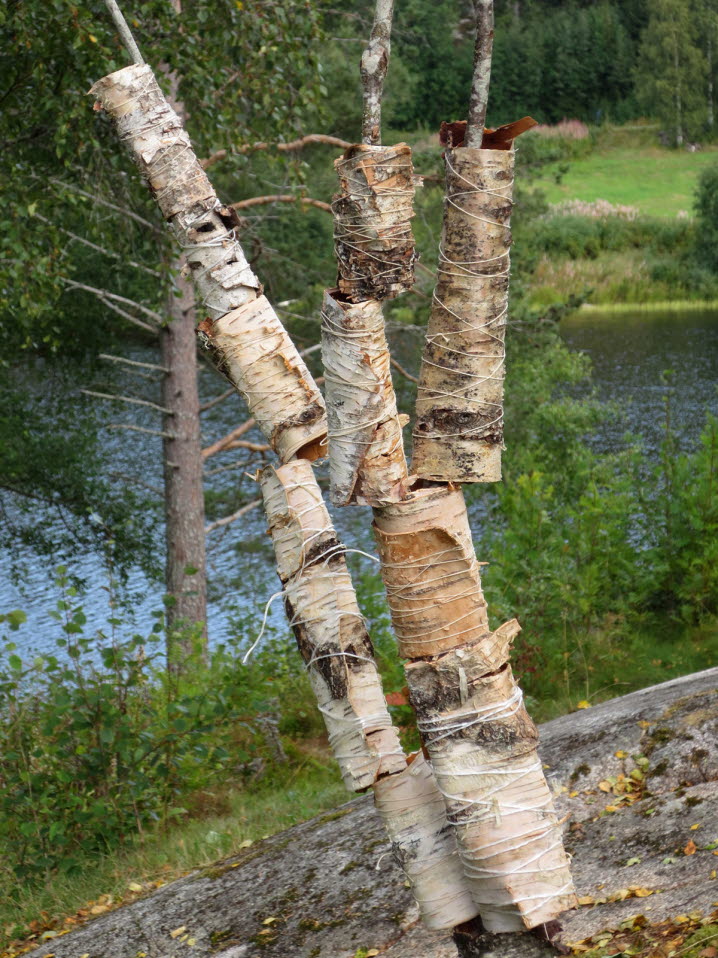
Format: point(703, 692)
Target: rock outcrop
point(635, 778)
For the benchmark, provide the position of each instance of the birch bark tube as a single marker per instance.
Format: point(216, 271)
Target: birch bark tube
point(206, 229)
point(335, 645)
point(412, 809)
point(367, 462)
point(483, 745)
point(458, 435)
point(430, 572)
point(481, 742)
point(373, 240)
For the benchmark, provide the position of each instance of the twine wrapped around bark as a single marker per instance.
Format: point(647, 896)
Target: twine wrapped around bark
point(482, 745)
point(331, 634)
point(373, 241)
point(458, 436)
point(430, 572)
point(366, 461)
point(206, 231)
point(412, 809)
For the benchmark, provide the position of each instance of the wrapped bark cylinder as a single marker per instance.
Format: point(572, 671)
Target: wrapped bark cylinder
point(206, 231)
point(330, 630)
point(430, 572)
point(424, 845)
point(253, 350)
point(373, 241)
point(482, 745)
point(458, 435)
point(366, 451)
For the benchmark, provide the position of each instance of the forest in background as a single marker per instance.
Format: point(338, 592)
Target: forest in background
point(605, 578)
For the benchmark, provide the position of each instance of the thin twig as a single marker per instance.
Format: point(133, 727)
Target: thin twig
point(133, 362)
point(103, 202)
point(100, 249)
point(211, 403)
point(218, 523)
point(150, 432)
point(106, 294)
point(124, 31)
point(128, 316)
point(482, 73)
point(404, 372)
point(281, 147)
point(280, 198)
point(374, 65)
point(137, 402)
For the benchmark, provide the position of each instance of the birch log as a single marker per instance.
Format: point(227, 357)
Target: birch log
point(430, 572)
point(423, 844)
point(366, 450)
point(330, 630)
point(458, 435)
point(228, 291)
point(373, 241)
point(482, 745)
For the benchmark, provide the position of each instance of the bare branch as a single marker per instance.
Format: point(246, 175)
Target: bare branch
point(289, 147)
point(150, 432)
point(210, 404)
point(374, 64)
point(133, 362)
point(482, 73)
point(103, 202)
point(131, 399)
point(128, 316)
point(124, 31)
point(404, 372)
point(218, 523)
point(280, 198)
point(106, 294)
point(100, 249)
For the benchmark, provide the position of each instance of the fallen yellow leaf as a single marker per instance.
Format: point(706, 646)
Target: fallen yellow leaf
point(586, 900)
point(573, 794)
point(178, 931)
point(642, 892)
point(98, 909)
point(694, 827)
point(134, 886)
point(644, 724)
point(690, 848)
point(269, 921)
point(611, 808)
point(621, 754)
point(605, 786)
point(246, 843)
point(583, 704)
point(372, 953)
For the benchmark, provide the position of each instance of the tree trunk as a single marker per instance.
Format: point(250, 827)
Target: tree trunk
point(711, 105)
point(185, 570)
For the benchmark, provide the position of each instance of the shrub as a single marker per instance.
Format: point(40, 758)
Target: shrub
point(706, 207)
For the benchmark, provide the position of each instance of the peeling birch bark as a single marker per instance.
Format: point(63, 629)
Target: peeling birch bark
point(206, 231)
point(424, 845)
point(252, 349)
point(482, 745)
point(373, 241)
point(366, 450)
point(458, 435)
point(430, 572)
point(330, 630)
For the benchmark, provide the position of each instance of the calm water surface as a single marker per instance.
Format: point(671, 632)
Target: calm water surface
point(630, 353)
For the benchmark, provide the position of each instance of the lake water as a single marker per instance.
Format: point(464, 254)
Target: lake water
point(630, 353)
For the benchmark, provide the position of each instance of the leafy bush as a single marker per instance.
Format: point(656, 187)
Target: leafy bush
point(100, 740)
point(706, 207)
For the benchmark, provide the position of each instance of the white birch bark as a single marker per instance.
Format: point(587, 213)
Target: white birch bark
point(366, 450)
point(424, 845)
point(330, 630)
point(482, 744)
point(206, 231)
point(430, 572)
point(373, 240)
point(458, 436)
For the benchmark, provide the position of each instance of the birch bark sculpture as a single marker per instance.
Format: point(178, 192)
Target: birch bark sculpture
point(257, 355)
point(331, 634)
point(241, 323)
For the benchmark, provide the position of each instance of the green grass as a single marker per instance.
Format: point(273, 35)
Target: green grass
point(222, 822)
point(659, 182)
